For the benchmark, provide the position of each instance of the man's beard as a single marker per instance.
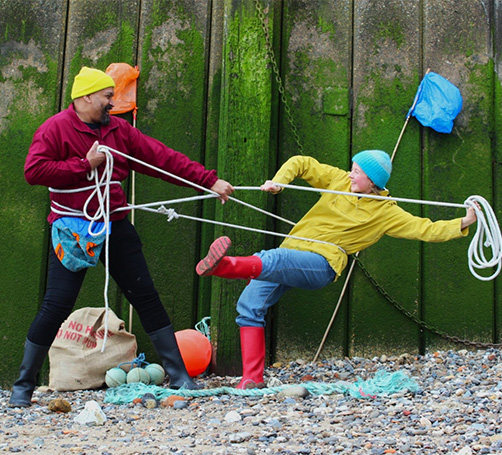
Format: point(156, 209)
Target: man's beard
point(105, 116)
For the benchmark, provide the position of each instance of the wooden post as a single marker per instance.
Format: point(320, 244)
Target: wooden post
point(244, 138)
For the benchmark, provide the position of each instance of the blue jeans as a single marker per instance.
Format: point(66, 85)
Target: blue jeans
point(283, 269)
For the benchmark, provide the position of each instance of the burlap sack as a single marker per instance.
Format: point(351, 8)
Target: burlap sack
point(76, 360)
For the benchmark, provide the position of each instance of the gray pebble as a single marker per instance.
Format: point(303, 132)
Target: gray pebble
point(39, 442)
point(296, 391)
point(180, 404)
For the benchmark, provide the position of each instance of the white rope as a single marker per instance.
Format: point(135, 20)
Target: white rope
point(373, 196)
point(78, 190)
point(104, 213)
point(101, 190)
point(488, 234)
point(188, 182)
point(172, 214)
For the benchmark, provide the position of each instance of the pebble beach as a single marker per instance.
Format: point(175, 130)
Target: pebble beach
point(456, 410)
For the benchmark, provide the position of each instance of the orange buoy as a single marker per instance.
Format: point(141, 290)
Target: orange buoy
point(195, 350)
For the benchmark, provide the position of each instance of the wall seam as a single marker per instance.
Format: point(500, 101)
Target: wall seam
point(348, 296)
point(422, 145)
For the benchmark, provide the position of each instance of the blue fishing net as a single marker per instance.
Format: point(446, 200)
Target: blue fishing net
point(383, 383)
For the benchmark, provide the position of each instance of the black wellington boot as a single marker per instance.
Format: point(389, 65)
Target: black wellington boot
point(167, 348)
point(33, 359)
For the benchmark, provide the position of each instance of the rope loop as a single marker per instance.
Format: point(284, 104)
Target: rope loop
point(103, 195)
point(487, 236)
point(203, 327)
point(136, 363)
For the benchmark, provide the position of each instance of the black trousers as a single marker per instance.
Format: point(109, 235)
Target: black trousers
point(127, 266)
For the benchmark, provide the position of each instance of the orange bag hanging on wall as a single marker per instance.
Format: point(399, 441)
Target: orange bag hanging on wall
point(125, 78)
point(76, 360)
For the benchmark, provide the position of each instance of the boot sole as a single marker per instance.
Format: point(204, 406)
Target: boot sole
point(186, 386)
point(250, 384)
point(217, 251)
point(19, 405)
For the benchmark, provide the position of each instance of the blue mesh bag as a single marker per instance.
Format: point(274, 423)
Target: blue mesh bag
point(436, 103)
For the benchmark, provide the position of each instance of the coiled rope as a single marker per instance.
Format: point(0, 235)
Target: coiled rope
point(488, 234)
point(101, 190)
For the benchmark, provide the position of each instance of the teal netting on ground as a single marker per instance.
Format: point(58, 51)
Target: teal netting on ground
point(383, 383)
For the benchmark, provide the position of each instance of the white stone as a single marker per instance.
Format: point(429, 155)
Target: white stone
point(424, 422)
point(91, 414)
point(233, 416)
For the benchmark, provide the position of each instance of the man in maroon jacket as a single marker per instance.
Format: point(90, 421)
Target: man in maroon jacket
point(63, 153)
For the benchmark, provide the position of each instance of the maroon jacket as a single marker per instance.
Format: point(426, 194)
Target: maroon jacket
point(56, 159)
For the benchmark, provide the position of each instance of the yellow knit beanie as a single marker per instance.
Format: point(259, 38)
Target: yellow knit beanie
point(90, 80)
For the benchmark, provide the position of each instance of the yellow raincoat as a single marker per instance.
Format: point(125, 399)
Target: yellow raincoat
point(353, 223)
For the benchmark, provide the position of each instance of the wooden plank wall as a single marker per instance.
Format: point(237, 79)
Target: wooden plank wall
point(349, 70)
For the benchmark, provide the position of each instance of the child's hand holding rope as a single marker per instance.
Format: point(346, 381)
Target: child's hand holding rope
point(271, 187)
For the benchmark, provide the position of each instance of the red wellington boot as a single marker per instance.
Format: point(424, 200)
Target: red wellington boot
point(217, 263)
point(253, 357)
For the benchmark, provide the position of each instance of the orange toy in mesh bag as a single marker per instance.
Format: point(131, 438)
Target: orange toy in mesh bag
point(76, 360)
point(125, 78)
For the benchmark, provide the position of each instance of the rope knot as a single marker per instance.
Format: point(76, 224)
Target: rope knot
point(171, 213)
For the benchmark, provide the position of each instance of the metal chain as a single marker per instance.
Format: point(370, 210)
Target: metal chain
point(422, 324)
point(278, 79)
